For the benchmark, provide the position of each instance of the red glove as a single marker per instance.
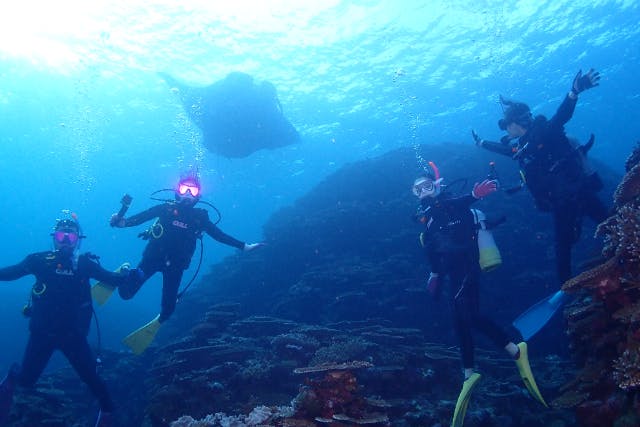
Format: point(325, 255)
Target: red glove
point(433, 285)
point(484, 188)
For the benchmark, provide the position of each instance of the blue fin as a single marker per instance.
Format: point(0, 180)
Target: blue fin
point(534, 319)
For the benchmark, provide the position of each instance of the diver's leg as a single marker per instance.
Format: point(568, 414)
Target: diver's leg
point(462, 319)
point(483, 323)
point(171, 278)
point(36, 356)
point(76, 349)
point(129, 288)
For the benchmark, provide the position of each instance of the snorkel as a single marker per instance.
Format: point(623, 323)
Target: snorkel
point(437, 180)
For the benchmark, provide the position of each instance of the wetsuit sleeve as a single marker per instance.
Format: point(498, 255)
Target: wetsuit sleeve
point(212, 230)
point(16, 271)
point(498, 147)
point(97, 272)
point(564, 113)
point(144, 216)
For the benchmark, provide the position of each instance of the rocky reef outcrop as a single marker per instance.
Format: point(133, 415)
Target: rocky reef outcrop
point(604, 320)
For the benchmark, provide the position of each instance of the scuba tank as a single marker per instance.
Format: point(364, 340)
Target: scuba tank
point(489, 253)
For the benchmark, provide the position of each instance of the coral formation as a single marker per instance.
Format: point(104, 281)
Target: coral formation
point(356, 364)
point(336, 397)
point(629, 187)
point(604, 321)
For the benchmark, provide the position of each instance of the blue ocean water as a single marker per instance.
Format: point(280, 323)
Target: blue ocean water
point(84, 116)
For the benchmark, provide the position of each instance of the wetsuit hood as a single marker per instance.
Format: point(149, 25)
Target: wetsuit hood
point(515, 112)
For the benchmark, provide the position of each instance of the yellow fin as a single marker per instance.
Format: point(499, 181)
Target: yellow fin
point(527, 376)
point(141, 338)
point(101, 292)
point(463, 399)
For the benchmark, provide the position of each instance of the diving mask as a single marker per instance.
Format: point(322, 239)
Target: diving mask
point(424, 187)
point(70, 236)
point(188, 187)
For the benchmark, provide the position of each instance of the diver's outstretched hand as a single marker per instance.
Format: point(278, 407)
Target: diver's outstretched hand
point(116, 221)
point(484, 188)
point(584, 82)
point(248, 247)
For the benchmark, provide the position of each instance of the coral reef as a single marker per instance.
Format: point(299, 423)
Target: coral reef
point(604, 320)
point(356, 364)
point(259, 416)
point(630, 185)
point(335, 397)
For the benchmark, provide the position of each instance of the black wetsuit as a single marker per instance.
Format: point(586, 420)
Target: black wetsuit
point(172, 242)
point(555, 173)
point(60, 315)
point(450, 241)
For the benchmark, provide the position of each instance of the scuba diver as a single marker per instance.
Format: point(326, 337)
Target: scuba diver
point(60, 311)
point(450, 240)
point(171, 245)
point(554, 169)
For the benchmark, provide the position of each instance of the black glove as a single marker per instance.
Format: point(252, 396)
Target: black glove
point(134, 274)
point(582, 83)
point(584, 148)
point(477, 138)
point(116, 221)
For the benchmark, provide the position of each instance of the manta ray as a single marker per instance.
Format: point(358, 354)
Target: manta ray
point(236, 115)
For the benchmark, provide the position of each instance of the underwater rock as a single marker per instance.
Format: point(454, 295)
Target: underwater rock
point(360, 257)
